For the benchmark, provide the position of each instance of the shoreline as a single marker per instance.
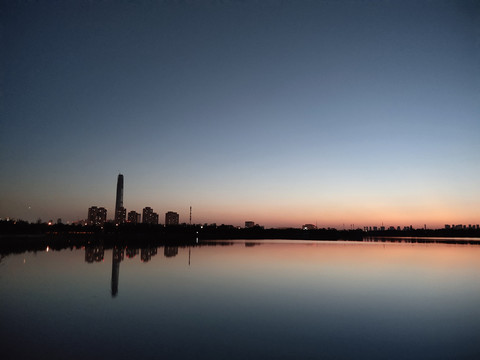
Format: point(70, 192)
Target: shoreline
point(182, 237)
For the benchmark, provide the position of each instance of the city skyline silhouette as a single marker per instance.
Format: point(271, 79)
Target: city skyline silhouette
point(172, 218)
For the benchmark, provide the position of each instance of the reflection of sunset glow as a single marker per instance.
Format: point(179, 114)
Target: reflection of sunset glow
point(310, 256)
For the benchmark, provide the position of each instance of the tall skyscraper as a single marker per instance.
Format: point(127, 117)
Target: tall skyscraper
point(119, 210)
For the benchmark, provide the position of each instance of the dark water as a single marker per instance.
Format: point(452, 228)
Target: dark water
point(244, 300)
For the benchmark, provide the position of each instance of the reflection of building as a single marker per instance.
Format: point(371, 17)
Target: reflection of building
point(131, 252)
point(97, 216)
point(147, 253)
point(119, 210)
point(117, 257)
point(249, 224)
point(171, 218)
point(170, 251)
point(134, 217)
point(149, 217)
point(94, 253)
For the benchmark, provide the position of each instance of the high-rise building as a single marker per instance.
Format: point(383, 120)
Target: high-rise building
point(97, 216)
point(134, 217)
point(121, 215)
point(120, 212)
point(171, 218)
point(149, 217)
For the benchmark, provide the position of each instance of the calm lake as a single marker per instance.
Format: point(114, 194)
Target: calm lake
point(243, 300)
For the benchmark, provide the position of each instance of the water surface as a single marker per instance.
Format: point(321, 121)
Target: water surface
point(244, 299)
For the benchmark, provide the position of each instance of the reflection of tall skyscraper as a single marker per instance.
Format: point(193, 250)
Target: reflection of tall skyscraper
point(117, 257)
point(120, 212)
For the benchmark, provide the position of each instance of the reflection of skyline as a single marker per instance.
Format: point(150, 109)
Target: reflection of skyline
point(96, 253)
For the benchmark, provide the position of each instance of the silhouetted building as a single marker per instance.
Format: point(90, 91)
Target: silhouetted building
point(134, 217)
point(119, 210)
point(149, 217)
point(171, 218)
point(97, 216)
point(309, 227)
point(249, 224)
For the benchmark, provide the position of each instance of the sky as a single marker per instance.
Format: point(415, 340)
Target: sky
point(336, 113)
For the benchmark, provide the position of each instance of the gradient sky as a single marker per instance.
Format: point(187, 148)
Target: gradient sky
point(279, 112)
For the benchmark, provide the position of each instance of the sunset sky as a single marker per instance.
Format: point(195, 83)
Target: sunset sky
point(278, 112)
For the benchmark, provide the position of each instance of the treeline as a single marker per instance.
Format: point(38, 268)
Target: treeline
point(20, 228)
point(20, 236)
point(213, 231)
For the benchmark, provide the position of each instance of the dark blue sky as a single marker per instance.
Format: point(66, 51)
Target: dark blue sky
point(281, 112)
